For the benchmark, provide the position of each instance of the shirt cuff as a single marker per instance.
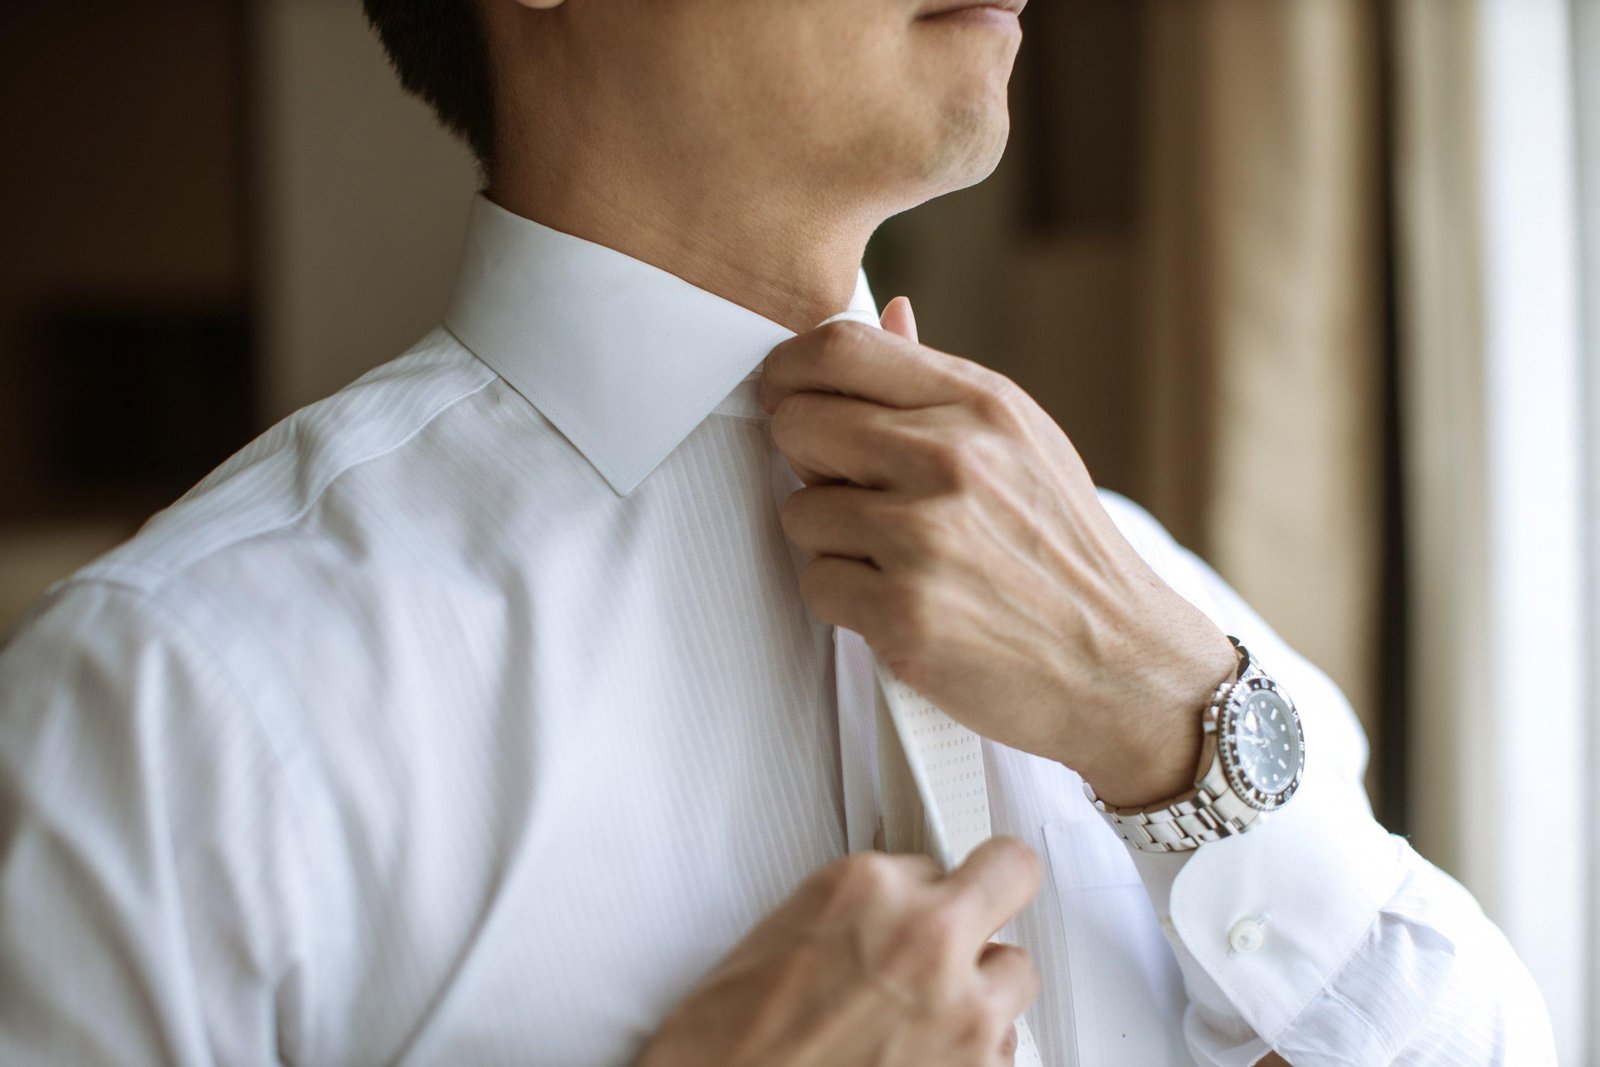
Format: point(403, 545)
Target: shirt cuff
point(1261, 922)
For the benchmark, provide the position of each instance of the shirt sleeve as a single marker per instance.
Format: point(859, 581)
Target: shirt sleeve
point(141, 901)
point(1319, 935)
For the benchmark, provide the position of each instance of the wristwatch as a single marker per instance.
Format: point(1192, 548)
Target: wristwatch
point(1252, 755)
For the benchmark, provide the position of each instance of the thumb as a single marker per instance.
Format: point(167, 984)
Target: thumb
point(898, 318)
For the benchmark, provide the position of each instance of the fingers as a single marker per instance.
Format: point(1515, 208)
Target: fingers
point(1010, 977)
point(841, 439)
point(1008, 1045)
point(834, 437)
point(898, 318)
point(844, 592)
point(902, 932)
point(860, 882)
point(840, 520)
point(920, 866)
point(857, 360)
point(995, 883)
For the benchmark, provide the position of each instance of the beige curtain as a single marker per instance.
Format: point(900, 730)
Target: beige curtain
point(1216, 351)
point(1264, 344)
point(1440, 270)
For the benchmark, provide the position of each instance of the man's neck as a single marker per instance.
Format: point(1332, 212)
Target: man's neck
point(789, 265)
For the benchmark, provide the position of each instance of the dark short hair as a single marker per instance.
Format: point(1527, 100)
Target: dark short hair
point(438, 49)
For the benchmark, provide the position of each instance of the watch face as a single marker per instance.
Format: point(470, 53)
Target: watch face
point(1263, 748)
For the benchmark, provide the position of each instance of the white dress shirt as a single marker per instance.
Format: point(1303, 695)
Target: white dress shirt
point(470, 715)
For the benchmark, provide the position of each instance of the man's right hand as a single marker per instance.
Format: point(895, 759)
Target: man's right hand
point(876, 960)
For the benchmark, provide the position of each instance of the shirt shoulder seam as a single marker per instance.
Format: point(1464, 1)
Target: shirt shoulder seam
point(148, 579)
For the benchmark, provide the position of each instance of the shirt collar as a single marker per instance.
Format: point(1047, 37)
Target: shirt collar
point(622, 357)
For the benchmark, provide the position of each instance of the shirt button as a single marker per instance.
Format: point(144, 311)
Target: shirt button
point(1246, 936)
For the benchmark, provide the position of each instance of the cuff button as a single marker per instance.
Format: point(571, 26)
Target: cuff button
point(1247, 935)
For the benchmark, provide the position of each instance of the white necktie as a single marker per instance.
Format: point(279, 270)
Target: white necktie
point(932, 793)
point(945, 809)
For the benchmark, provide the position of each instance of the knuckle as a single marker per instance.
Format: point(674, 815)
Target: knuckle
point(835, 882)
point(986, 451)
point(842, 341)
point(993, 393)
point(846, 332)
point(863, 877)
point(831, 875)
point(1007, 391)
point(947, 458)
point(979, 463)
point(925, 531)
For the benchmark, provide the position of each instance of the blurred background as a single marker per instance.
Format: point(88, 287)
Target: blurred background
point(1316, 281)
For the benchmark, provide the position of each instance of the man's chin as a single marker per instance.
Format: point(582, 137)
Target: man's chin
point(961, 149)
point(971, 153)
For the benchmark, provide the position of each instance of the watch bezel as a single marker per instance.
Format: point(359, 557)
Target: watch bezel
point(1227, 744)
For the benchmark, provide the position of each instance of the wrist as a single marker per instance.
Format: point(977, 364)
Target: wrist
point(1157, 751)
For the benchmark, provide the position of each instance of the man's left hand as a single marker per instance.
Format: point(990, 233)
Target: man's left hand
point(952, 524)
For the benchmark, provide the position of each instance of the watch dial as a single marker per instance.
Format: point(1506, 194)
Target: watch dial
point(1267, 736)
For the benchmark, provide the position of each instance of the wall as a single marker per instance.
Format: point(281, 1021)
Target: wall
point(122, 184)
point(360, 204)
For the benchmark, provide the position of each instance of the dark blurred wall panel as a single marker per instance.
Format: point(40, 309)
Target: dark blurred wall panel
point(123, 193)
point(360, 202)
point(1082, 74)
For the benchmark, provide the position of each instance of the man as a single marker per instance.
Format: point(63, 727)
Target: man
point(514, 705)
